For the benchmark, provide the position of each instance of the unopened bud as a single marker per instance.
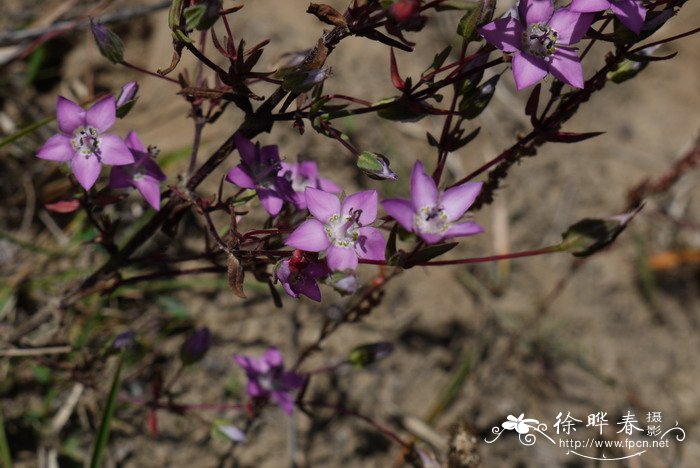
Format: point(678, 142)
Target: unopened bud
point(110, 45)
point(124, 340)
point(301, 81)
point(195, 346)
point(367, 354)
point(403, 10)
point(127, 98)
point(344, 283)
point(375, 166)
point(591, 235)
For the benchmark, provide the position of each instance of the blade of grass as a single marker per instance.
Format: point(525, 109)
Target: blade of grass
point(103, 433)
point(27, 130)
point(5, 457)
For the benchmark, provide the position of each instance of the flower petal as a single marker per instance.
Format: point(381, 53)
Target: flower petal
point(570, 25)
point(468, 228)
point(430, 238)
point(341, 258)
point(149, 189)
point(310, 289)
point(424, 192)
point(114, 151)
point(631, 13)
point(322, 205)
point(240, 177)
point(371, 245)
point(102, 114)
point(401, 210)
point(246, 148)
point(528, 70)
point(119, 178)
point(535, 11)
point(565, 66)
point(309, 236)
point(457, 200)
point(504, 33)
point(254, 389)
point(134, 143)
point(271, 201)
point(284, 401)
point(589, 6)
point(364, 202)
point(269, 155)
point(273, 357)
point(86, 169)
point(328, 185)
point(56, 148)
point(69, 115)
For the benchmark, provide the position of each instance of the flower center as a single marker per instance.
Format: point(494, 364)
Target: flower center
point(86, 141)
point(298, 181)
point(265, 173)
point(540, 40)
point(343, 231)
point(431, 220)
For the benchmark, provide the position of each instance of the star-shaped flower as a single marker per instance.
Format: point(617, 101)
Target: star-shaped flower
point(144, 175)
point(539, 41)
point(267, 378)
point(259, 170)
point(432, 214)
point(341, 230)
point(83, 140)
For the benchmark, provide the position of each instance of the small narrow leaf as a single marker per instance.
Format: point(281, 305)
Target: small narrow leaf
point(591, 235)
point(467, 25)
point(396, 79)
point(429, 253)
point(108, 413)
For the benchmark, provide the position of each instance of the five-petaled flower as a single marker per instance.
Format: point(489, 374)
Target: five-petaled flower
point(519, 424)
point(83, 141)
point(432, 214)
point(299, 275)
point(539, 41)
point(305, 174)
point(267, 378)
point(341, 230)
point(259, 170)
point(144, 174)
point(631, 13)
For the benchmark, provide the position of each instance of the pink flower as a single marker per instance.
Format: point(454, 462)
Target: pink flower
point(432, 214)
point(341, 230)
point(83, 141)
point(631, 13)
point(299, 275)
point(539, 42)
point(305, 174)
point(144, 175)
point(268, 379)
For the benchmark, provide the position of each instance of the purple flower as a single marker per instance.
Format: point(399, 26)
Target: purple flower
point(299, 275)
point(259, 170)
point(342, 231)
point(83, 141)
point(195, 346)
point(305, 174)
point(631, 13)
point(144, 174)
point(538, 41)
point(268, 379)
point(432, 214)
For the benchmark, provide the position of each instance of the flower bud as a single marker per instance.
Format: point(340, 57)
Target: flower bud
point(124, 340)
point(403, 10)
point(195, 346)
point(375, 166)
point(344, 283)
point(367, 354)
point(127, 98)
point(301, 81)
point(110, 45)
point(591, 235)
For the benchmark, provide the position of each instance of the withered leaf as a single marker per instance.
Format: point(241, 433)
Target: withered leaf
point(327, 14)
point(235, 276)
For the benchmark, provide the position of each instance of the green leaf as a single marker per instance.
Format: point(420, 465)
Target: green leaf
point(401, 110)
point(5, 455)
point(467, 25)
point(103, 432)
point(174, 307)
point(429, 253)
